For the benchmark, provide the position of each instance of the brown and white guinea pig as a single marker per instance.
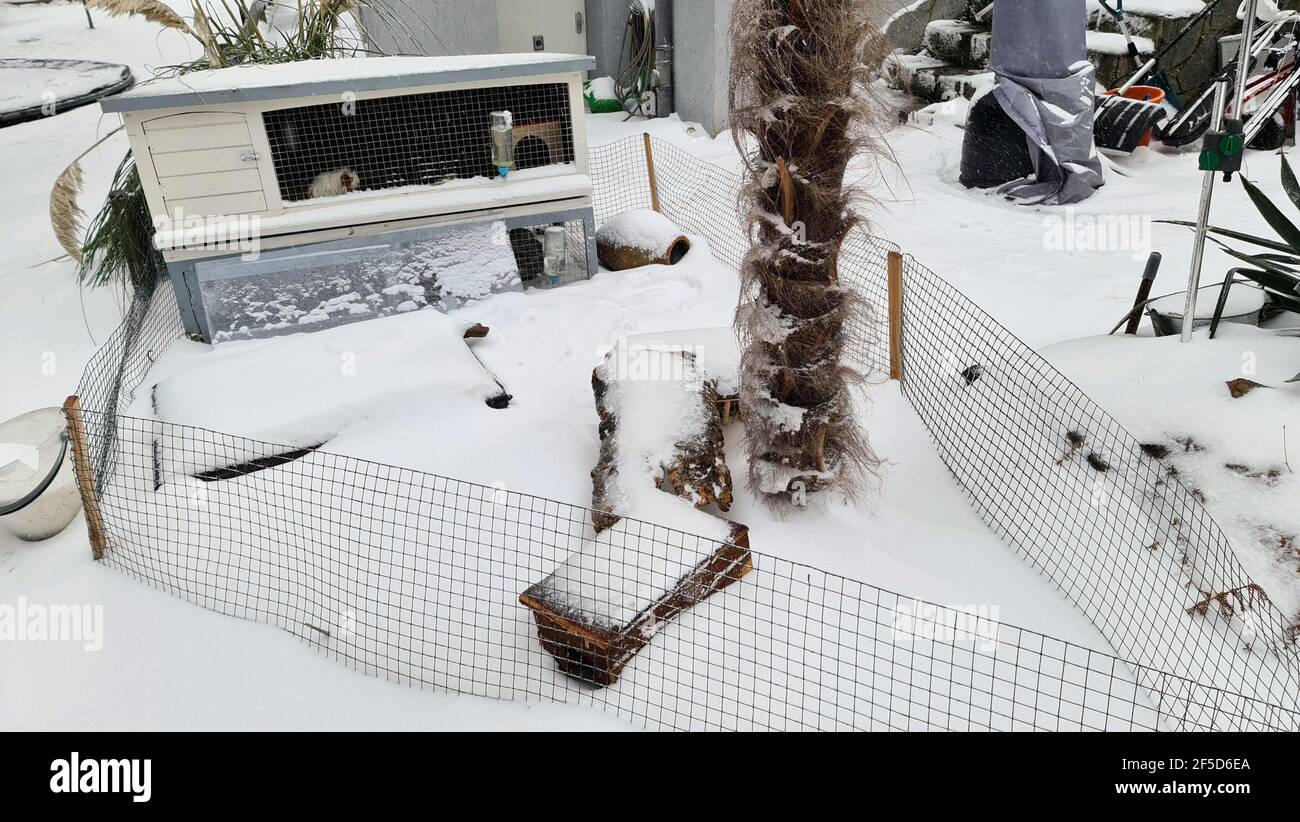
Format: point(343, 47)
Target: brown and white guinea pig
point(333, 183)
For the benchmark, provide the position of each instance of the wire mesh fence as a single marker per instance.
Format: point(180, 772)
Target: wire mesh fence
point(417, 578)
point(414, 139)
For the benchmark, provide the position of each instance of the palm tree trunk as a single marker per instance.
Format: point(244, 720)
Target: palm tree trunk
point(797, 114)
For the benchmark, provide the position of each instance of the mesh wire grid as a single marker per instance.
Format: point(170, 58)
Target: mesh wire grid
point(414, 139)
point(415, 577)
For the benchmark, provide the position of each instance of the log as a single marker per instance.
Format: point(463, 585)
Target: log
point(599, 609)
point(894, 267)
point(651, 177)
point(637, 238)
point(697, 471)
point(85, 474)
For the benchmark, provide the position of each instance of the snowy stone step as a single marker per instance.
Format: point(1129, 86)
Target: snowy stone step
point(958, 42)
point(931, 79)
point(964, 45)
point(1108, 51)
point(1154, 19)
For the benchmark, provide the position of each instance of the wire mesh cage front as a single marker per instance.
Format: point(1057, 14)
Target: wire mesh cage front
point(331, 283)
point(414, 139)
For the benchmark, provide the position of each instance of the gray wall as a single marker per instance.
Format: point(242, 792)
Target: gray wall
point(701, 52)
point(439, 27)
point(700, 47)
point(605, 21)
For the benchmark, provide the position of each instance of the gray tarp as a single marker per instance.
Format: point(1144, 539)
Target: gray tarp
point(1045, 83)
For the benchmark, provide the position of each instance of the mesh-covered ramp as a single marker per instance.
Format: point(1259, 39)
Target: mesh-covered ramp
point(415, 577)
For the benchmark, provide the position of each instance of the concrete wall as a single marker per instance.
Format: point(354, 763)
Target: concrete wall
point(701, 47)
point(605, 21)
point(904, 22)
point(440, 27)
point(702, 52)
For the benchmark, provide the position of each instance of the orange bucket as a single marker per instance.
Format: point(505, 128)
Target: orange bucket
point(1149, 94)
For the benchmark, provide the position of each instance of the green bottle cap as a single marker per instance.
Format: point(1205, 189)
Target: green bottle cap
point(1210, 160)
point(1231, 144)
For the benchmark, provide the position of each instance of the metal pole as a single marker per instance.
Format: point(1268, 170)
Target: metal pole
point(1207, 184)
point(1202, 219)
point(1243, 58)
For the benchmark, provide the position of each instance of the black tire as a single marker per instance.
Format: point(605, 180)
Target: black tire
point(1272, 135)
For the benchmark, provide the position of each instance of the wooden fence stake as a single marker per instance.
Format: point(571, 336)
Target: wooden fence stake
point(85, 476)
point(895, 315)
point(650, 171)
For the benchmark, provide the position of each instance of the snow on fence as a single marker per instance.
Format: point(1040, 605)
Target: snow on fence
point(416, 577)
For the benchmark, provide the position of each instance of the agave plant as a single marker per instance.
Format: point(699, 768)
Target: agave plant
point(1277, 269)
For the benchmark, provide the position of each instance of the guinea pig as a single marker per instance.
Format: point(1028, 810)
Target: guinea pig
point(334, 183)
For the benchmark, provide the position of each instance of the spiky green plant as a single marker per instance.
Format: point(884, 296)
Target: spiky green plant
point(1276, 270)
point(119, 241)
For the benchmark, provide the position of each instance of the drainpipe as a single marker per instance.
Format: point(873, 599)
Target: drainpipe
point(664, 58)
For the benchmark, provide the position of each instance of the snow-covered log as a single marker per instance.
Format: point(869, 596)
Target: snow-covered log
point(640, 237)
point(610, 598)
point(660, 430)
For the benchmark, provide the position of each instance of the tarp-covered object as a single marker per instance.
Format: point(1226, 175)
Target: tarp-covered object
point(1045, 83)
point(32, 88)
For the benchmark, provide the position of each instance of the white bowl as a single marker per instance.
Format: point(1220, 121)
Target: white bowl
point(29, 448)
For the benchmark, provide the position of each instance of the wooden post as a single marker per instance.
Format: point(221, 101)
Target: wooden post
point(650, 171)
point(85, 476)
point(895, 315)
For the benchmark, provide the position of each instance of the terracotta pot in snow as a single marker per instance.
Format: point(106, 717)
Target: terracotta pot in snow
point(637, 238)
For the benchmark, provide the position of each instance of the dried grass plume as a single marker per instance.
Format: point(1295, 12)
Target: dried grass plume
point(65, 214)
point(152, 10)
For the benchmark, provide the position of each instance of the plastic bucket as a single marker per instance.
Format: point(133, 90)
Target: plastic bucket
point(30, 449)
point(1149, 94)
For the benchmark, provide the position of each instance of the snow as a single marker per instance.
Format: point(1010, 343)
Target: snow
point(1242, 300)
point(716, 352)
point(603, 88)
point(1234, 452)
point(641, 228)
point(656, 397)
point(611, 579)
point(169, 663)
point(471, 264)
point(1110, 42)
point(342, 69)
point(1155, 8)
point(305, 389)
point(28, 83)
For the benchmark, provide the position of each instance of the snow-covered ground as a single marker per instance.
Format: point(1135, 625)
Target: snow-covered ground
point(1049, 275)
